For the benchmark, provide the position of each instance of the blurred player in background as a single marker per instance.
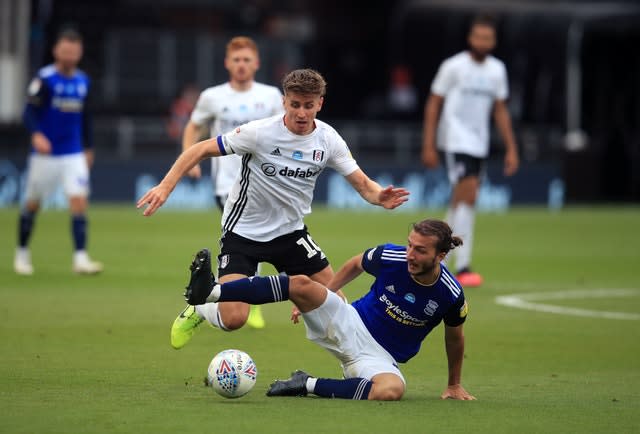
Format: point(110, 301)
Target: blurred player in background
point(263, 218)
point(412, 293)
point(468, 87)
point(61, 154)
point(225, 107)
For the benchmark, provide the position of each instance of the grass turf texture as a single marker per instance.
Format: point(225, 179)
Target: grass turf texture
point(92, 354)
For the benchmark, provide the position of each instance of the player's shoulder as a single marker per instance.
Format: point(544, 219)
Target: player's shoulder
point(216, 90)
point(82, 78)
point(325, 129)
point(495, 63)
point(448, 280)
point(458, 59)
point(266, 88)
point(261, 124)
point(47, 71)
point(393, 253)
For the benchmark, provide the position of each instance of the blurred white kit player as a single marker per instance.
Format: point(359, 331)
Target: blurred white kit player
point(469, 87)
point(226, 106)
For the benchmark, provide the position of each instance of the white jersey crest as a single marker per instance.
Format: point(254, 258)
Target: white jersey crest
point(274, 189)
point(224, 109)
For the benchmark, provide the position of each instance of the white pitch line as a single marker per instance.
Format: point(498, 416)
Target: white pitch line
point(524, 301)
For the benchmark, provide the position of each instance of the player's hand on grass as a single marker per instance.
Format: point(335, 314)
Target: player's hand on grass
point(430, 158)
point(154, 199)
point(195, 172)
point(511, 163)
point(391, 197)
point(295, 315)
point(457, 392)
point(40, 143)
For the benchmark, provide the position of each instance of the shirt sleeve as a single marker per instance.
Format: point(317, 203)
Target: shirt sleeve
point(241, 140)
point(340, 158)
point(444, 80)
point(37, 96)
point(457, 314)
point(201, 113)
point(371, 260)
point(502, 92)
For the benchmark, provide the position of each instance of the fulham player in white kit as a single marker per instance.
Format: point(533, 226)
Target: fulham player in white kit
point(468, 88)
point(282, 157)
point(227, 106)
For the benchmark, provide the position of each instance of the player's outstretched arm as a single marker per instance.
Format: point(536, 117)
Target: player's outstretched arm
point(389, 197)
point(454, 344)
point(158, 195)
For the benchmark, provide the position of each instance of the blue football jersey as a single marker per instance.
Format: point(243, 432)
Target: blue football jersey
point(55, 107)
point(400, 312)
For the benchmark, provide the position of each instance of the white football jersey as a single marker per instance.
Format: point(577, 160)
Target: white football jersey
point(469, 89)
point(278, 175)
point(224, 108)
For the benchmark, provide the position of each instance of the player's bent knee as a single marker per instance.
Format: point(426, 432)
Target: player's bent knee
point(386, 387)
point(386, 393)
point(234, 315)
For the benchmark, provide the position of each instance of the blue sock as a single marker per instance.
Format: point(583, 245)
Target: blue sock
point(79, 230)
point(25, 227)
point(256, 290)
point(351, 388)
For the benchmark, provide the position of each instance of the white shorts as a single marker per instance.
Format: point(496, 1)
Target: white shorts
point(337, 326)
point(47, 172)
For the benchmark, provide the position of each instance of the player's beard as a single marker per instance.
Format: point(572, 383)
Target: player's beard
point(424, 270)
point(479, 55)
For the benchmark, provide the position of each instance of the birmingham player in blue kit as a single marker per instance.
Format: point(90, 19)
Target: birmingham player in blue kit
point(412, 293)
point(61, 149)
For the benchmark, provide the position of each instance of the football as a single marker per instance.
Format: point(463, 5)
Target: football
point(232, 373)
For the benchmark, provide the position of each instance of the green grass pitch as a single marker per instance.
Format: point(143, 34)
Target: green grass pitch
point(92, 354)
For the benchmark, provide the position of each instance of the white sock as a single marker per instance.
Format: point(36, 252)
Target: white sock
point(211, 313)
point(311, 384)
point(80, 256)
point(463, 219)
point(215, 294)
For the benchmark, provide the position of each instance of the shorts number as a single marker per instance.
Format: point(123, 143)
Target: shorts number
point(308, 244)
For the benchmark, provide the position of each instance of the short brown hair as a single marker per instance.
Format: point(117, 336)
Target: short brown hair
point(441, 230)
point(240, 42)
point(304, 82)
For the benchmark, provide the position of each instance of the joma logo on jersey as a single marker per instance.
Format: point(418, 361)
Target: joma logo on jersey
point(271, 170)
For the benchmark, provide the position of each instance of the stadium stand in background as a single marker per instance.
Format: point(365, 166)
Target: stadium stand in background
point(574, 101)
